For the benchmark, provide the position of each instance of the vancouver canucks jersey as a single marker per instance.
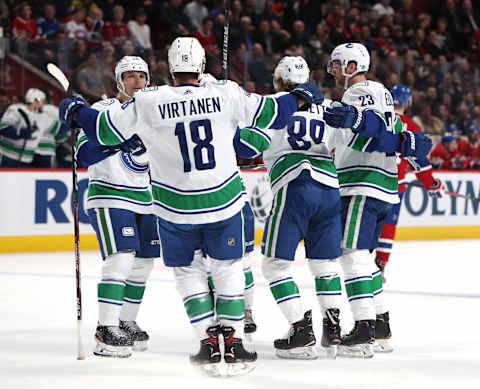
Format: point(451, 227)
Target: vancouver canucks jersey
point(12, 148)
point(188, 131)
point(121, 180)
point(369, 174)
point(48, 133)
point(305, 144)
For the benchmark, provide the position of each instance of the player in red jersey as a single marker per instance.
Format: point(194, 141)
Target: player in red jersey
point(402, 98)
point(470, 149)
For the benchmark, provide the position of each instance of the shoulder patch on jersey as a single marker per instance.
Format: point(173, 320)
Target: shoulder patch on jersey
point(107, 102)
point(149, 89)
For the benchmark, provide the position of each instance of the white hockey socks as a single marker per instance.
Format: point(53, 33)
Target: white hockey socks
point(283, 288)
point(327, 282)
point(229, 281)
point(249, 283)
point(357, 268)
point(191, 282)
point(135, 288)
point(111, 288)
point(378, 295)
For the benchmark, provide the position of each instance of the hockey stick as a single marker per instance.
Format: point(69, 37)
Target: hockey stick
point(60, 77)
point(27, 121)
point(454, 194)
point(226, 28)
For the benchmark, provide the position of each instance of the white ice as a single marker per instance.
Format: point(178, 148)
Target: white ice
point(432, 287)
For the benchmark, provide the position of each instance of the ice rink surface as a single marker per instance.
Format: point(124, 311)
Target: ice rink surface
point(432, 288)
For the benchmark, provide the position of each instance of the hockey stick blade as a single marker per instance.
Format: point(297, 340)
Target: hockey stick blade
point(454, 194)
point(56, 73)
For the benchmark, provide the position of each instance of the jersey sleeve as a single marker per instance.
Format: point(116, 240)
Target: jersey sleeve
point(109, 127)
point(11, 117)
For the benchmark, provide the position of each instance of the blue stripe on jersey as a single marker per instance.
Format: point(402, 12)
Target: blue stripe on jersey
point(194, 190)
point(119, 134)
point(119, 186)
point(200, 212)
point(356, 167)
point(369, 186)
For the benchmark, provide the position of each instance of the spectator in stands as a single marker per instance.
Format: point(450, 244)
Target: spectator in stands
point(261, 69)
point(428, 122)
point(383, 8)
point(24, 29)
point(48, 25)
point(94, 24)
point(280, 37)
point(446, 155)
point(463, 118)
point(140, 33)
point(196, 13)
point(469, 148)
point(75, 28)
point(174, 20)
point(206, 37)
point(299, 37)
point(80, 54)
point(90, 80)
point(319, 42)
point(116, 31)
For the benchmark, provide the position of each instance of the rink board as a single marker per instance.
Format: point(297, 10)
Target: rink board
point(37, 209)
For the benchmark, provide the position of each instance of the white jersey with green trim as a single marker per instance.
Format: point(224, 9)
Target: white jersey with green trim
point(188, 131)
point(47, 142)
point(121, 180)
point(12, 148)
point(368, 174)
point(305, 144)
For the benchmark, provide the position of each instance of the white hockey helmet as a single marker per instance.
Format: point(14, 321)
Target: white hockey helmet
point(186, 55)
point(291, 70)
point(34, 94)
point(350, 52)
point(130, 63)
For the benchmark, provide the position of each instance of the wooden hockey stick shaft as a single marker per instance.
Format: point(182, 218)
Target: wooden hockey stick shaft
point(62, 79)
point(454, 194)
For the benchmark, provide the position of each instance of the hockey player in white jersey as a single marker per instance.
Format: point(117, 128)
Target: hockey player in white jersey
point(188, 131)
point(306, 206)
point(368, 186)
point(18, 138)
point(249, 227)
point(120, 208)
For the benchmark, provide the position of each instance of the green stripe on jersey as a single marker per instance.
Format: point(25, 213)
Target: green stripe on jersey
point(81, 141)
point(190, 202)
point(54, 128)
point(105, 232)
point(273, 221)
point(353, 221)
point(143, 196)
point(267, 113)
point(106, 134)
point(295, 158)
point(398, 126)
point(11, 147)
point(377, 178)
point(361, 142)
point(254, 139)
point(45, 145)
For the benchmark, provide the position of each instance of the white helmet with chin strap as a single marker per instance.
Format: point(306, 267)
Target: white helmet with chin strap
point(186, 55)
point(350, 52)
point(127, 64)
point(291, 70)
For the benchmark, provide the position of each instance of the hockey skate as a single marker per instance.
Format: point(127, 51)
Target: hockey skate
point(140, 337)
point(382, 334)
point(331, 336)
point(208, 357)
point(359, 342)
point(299, 343)
point(112, 342)
point(239, 360)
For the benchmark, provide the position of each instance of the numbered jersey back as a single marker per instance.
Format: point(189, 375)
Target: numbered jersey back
point(372, 95)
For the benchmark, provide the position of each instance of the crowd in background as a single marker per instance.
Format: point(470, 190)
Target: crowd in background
point(432, 46)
